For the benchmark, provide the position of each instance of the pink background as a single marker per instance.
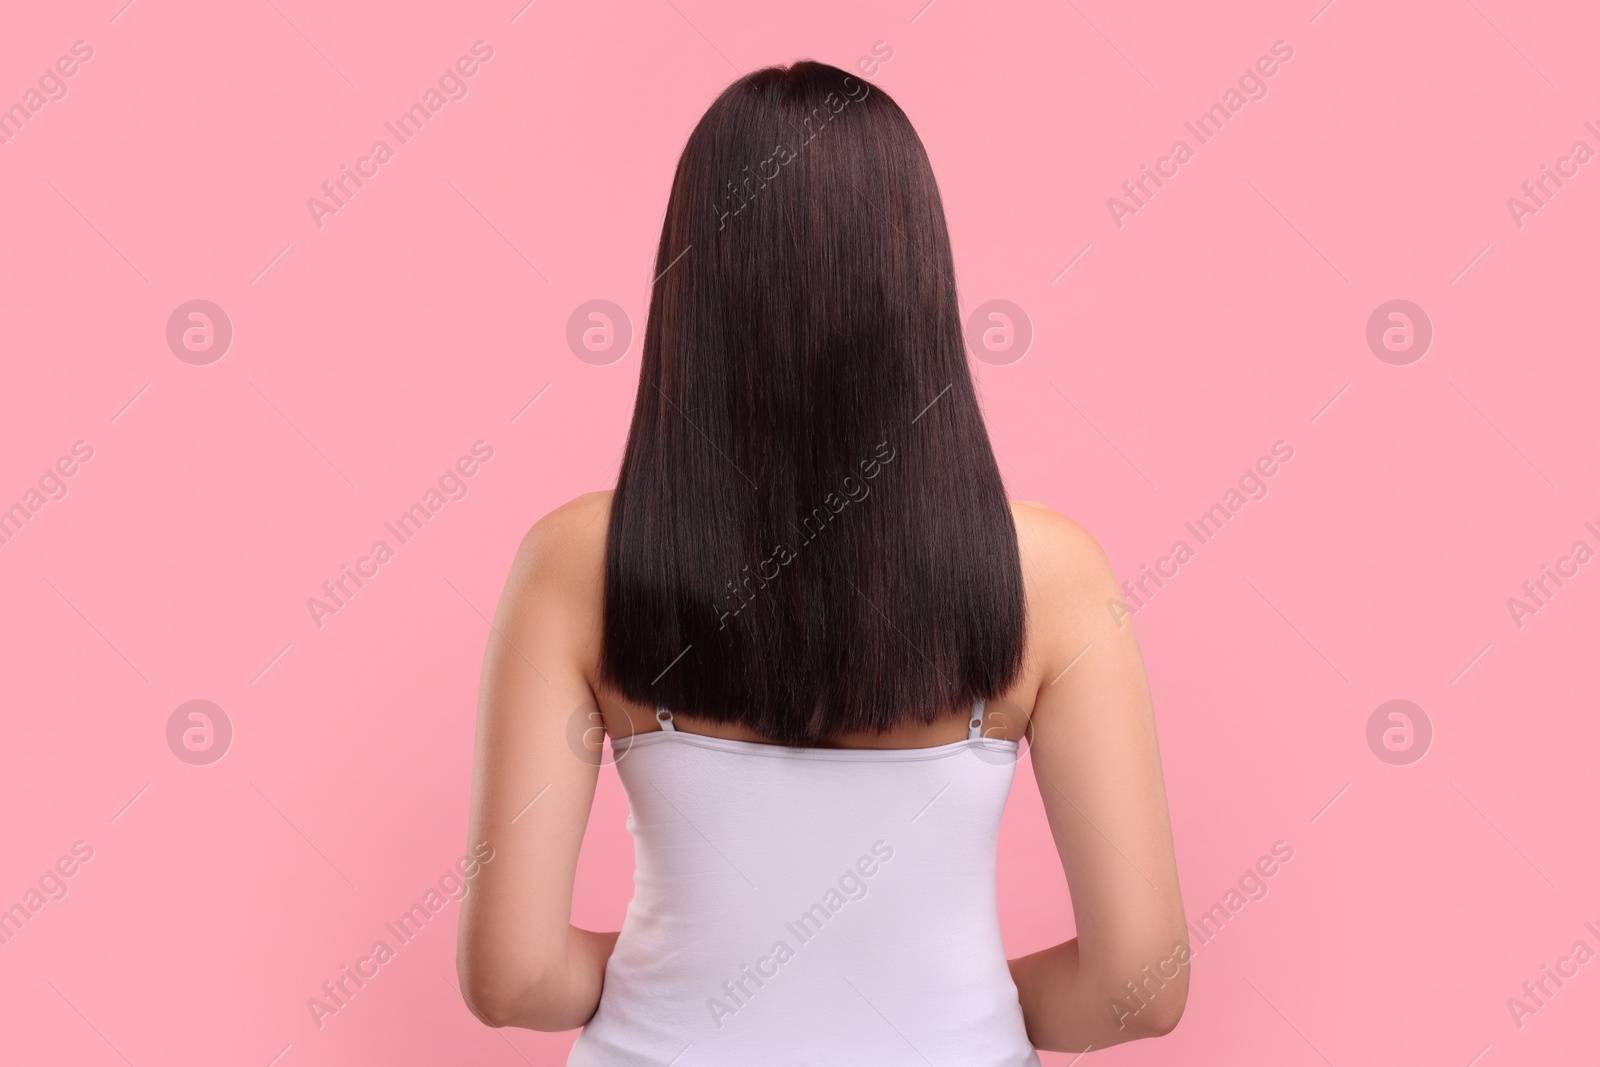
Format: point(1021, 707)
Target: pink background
point(1228, 313)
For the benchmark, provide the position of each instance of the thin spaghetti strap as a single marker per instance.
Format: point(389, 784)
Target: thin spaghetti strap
point(975, 725)
point(664, 717)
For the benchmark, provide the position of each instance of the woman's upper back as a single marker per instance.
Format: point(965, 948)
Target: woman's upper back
point(1065, 576)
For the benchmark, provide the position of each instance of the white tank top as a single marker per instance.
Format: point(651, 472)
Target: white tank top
point(810, 906)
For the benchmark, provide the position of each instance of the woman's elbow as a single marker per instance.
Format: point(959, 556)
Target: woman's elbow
point(492, 1002)
point(527, 1007)
point(1161, 1016)
point(1151, 1002)
point(499, 999)
point(1157, 1011)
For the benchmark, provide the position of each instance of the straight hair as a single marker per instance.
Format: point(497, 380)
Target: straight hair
point(809, 534)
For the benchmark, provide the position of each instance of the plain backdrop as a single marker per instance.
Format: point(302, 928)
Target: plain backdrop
point(1172, 346)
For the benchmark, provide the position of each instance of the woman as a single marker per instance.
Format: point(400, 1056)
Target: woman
point(818, 636)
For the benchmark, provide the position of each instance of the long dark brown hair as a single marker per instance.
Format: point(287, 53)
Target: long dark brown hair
point(809, 533)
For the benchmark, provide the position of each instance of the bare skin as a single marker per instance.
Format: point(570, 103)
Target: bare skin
point(1082, 691)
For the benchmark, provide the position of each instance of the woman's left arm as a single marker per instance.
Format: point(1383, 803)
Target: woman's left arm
point(520, 961)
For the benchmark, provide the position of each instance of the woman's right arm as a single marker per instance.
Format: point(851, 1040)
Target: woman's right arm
point(1098, 767)
point(520, 960)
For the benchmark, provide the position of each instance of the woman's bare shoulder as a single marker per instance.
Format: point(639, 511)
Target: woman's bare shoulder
point(554, 594)
point(1059, 557)
point(574, 529)
point(1067, 583)
point(563, 554)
